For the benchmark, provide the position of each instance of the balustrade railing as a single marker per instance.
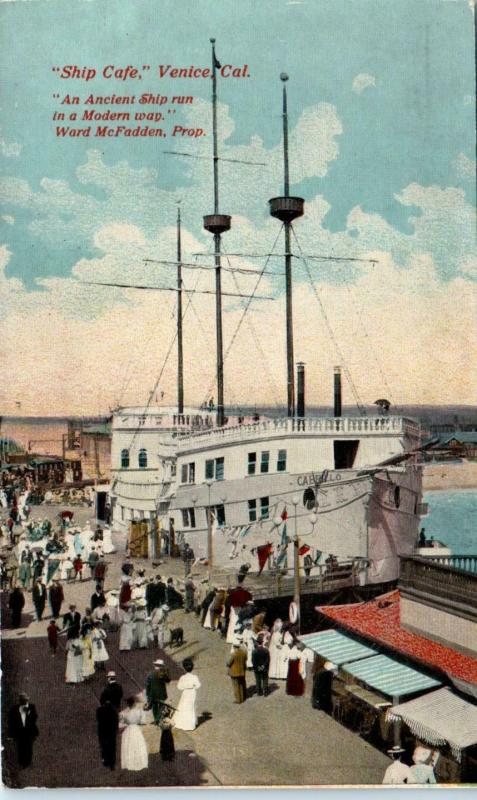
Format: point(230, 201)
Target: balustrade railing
point(332, 425)
point(435, 577)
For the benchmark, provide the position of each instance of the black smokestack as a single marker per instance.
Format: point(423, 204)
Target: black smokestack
point(300, 406)
point(338, 405)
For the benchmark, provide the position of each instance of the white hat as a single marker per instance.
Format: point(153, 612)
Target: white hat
point(159, 662)
point(328, 665)
point(111, 674)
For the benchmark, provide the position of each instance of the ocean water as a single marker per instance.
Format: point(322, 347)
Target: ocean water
point(453, 519)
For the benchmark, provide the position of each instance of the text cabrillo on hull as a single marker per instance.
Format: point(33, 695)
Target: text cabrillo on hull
point(103, 131)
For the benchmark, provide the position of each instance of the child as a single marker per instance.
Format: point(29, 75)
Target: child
point(167, 749)
point(78, 565)
point(52, 631)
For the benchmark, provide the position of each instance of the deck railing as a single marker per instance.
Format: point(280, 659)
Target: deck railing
point(434, 577)
point(354, 426)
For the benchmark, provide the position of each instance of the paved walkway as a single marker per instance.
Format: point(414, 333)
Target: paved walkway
point(277, 740)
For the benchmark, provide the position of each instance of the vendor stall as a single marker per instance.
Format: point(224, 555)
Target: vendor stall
point(446, 721)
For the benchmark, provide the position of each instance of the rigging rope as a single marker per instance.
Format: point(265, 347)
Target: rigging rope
point(339, 352)
point(246, 308)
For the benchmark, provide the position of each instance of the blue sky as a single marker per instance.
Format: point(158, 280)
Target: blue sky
point(382, 110)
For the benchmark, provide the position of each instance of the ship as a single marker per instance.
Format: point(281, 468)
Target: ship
point(334, 500)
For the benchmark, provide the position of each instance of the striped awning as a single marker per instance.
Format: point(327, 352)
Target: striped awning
point(439, 718)
point(391, 677)
point(337, 647)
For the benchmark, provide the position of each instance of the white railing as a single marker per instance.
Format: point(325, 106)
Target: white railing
point(357, 426)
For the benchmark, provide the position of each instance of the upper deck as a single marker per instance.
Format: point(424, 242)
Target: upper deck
point(357, 427)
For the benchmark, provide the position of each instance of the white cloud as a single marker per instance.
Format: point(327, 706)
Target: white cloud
point(363, 81)
point(10, 149)
point(8, 219)
point(465, 166)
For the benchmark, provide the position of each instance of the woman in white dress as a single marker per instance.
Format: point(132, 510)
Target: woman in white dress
point(275, 648)
point(66, 568)
point(249, 642)
point(287, 641)
point(74, 661)
point(100, 654)
point(108, 546)
point(112, 608)
point(185, 718)
point(134, 754)
point(127, 634)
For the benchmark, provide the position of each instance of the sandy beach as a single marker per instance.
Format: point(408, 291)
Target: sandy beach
point(457, 475)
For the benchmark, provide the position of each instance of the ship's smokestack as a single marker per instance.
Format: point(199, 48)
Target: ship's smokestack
point(300, 406)
point(338, 404)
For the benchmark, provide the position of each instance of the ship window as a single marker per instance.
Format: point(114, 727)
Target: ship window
point(252, 510)
point(252, 463)
point(264, 507)
point(142, 458)
point(188, 473)
point(214, 468)
point(188, 517)
point(264, 464)
point(125, 458)
point(218, 514)
point(345, 453)
point(282, 461)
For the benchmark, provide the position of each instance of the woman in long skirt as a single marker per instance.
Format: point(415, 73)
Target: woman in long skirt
point(100, 654)
point(275, 648)
point(127, 634)
point(74, 661)
point(185, 718)
point(134, 754)
point(88, 663)
point(295, 682)
point(140, 624)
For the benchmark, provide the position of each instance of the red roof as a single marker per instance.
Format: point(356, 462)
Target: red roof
point(379, 620)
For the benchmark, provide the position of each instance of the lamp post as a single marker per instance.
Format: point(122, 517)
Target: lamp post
point(208, 483)
point(296, 562)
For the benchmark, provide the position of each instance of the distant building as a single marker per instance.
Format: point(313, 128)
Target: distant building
point(95, 449)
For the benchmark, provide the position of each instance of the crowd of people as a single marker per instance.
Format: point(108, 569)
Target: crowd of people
point(41, 557)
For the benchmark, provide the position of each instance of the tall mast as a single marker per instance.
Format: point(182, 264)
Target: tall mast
point(180, 352)
point(287, 209)
point(217, 224)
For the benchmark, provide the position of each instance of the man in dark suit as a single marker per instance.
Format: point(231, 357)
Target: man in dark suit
point(261, 665)
point(16, 601)
point(155, 594)
point(107, 719)
point(72, 622)
point(112, 692)
point(22, 727)
point(156, 689)
point(237, 665)
point(39, 598)
point(56, 597)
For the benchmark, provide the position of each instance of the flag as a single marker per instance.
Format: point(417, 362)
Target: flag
point(262, 553)
point(282, 560)
point(216, 62)
point(284, 514)
point(304, 549)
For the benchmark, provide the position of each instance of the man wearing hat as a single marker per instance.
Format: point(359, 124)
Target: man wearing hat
point(112, 692)
point(107, 719)
point(397, 772)
point(237, 665)
point(156, 689)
